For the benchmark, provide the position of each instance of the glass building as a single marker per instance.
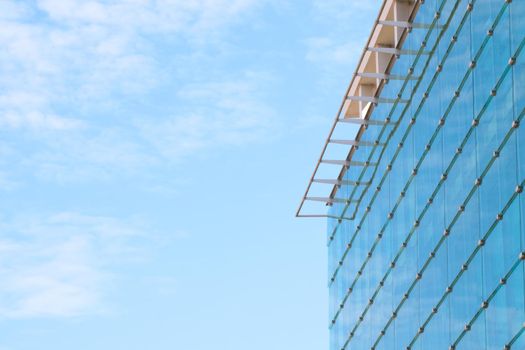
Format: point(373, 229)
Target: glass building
point(425, 210)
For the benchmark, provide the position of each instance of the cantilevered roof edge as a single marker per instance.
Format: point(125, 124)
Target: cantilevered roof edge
point(384, 45)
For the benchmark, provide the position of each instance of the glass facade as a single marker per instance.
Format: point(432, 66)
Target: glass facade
point(428, 250)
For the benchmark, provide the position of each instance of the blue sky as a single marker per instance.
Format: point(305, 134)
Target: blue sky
point(153, 154)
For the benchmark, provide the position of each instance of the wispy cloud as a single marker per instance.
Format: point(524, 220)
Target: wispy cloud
point(57, 265)
point(97, 47)
point(328, 51)
point(340, 46)
point(70, 66)
point(217, 114)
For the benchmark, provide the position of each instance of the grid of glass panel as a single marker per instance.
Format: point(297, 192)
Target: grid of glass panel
point(429, 254)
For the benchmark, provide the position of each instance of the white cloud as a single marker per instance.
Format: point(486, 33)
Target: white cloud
point(37, 120)
point(57, 265)
point(69, 64)
point(340, 46)
point(222, 113)
point(78, 52)
point(327, 51)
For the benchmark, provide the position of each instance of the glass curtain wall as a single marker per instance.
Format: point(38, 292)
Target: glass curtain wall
point(432, 256)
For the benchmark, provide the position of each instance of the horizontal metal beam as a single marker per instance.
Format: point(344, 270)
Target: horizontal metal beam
point(364, 121)
point(375, 100)
point(386, 76)
point(347, 162)
point(408, 25)
point(356, 143)
point(397, 52)
point(340, 182)
point(323, 216)
point(329, 200)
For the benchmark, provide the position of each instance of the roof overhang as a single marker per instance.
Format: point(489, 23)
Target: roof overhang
point(384, 46)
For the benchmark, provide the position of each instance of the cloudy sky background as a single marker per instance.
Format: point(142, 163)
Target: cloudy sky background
point(152, 155)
